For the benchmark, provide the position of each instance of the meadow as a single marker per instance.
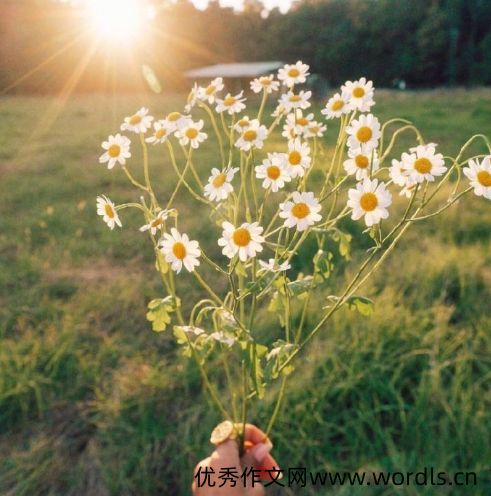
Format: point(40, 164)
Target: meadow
point(92, 402)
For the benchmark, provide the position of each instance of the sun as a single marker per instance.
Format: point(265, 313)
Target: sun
point(117, 20)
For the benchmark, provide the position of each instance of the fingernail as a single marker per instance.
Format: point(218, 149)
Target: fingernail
point(260, 451)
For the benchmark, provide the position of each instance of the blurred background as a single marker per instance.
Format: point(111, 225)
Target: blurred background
point(92, 402)
point(102, 45)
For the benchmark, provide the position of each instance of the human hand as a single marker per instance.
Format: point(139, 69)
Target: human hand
point(248, 469)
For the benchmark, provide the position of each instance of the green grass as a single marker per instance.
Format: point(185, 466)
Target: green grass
point(92, 402)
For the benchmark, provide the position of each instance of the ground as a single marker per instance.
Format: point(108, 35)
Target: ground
point(92, 402)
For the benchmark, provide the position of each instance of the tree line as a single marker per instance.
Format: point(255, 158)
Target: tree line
point(46, 47)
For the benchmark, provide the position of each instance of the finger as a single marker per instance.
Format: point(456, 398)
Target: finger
point(226, 454)
point(202, 464)
point(256, 435)
point(269, 468)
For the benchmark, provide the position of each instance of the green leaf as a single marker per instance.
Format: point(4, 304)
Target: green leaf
point(344, 240)
point(278, 355)
point(160, 264)
point(159, 312)
point(226, 320)
point(361, 304)
point(301, 285)
point(277, 306)
point(261, 283)
point(240, 269)
point(323, 263)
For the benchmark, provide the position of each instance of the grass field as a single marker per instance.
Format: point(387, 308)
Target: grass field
point(92, 402)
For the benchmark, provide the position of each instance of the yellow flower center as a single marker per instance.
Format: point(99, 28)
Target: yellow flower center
point(174, 116)
point(135, 119)
point(179, 250)
point(241, 237)
point(364, 134)
point(109, 210)
point(302, 121)
point(229, 101)
point(314, 129)
point(294, 158)
point(358, 92)
point(362, 161)
point(484, 178)
point(210, 90)
point(337, 105)
point(219, 180)
point(243, 123)
point(156, 222)
point(368, 201)
point(295, 98)
point(114, 151)
point(273, 172)
point(300, 210)
point(265, 81)
point(160, 133)
point(250, 135)
point(294, 72)
point(422, 165)
point(191, 133)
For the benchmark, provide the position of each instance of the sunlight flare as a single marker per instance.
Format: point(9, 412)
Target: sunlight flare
point(117, 20)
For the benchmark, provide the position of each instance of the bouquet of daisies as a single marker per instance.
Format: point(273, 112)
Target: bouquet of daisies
point(273, 187)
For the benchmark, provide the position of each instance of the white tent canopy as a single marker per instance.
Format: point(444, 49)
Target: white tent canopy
point(238, 70)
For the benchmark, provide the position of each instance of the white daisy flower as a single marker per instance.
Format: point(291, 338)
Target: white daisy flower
point(162, 130)
point(191, 133)
point(291, 101)
point(176, 120)
point(192, 98)
point(245, 240)
point(298, 158)
point(242, 124)
point(264, 83)
point(369, 199)
point(315, 130)
point(296, 124)
point(252, 137)
point(107, 210)
point(156, 223)
point(219, 184)
point(208, 94)
point(273, 265)
point(138, 123)
point(337, 105)
point(179, 250)
point(360, 94)
point(479, 175)
point(117, 150)
point(279, 110)
point(424, 164)
point(292, 74)
point(301, 211)
point(359, 161)
point(364, 131)
point(273, 171)
point(401, 177)
point(223, 338)
point(232, 104)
